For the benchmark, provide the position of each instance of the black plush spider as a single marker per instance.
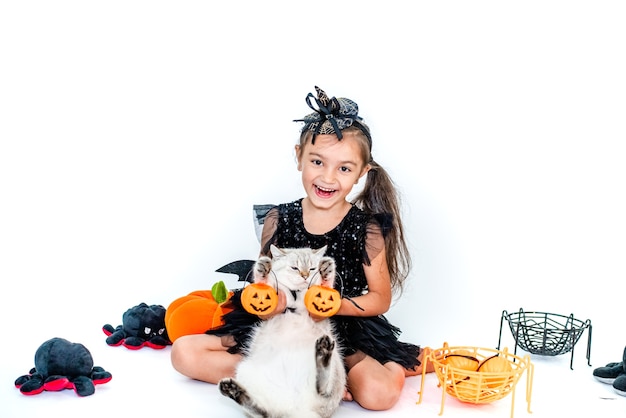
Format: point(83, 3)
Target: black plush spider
point(59, 365)
point(142, 325)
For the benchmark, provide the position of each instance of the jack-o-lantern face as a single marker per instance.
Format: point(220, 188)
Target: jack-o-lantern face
point(259, 299)
point(322, 301)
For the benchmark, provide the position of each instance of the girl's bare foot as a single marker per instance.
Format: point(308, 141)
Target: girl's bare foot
point(347, 396)
point(430, 367)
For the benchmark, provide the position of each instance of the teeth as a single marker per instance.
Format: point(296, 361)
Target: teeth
point(324, 189)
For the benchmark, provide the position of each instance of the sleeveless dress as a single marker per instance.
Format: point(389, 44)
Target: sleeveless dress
point(347, 244)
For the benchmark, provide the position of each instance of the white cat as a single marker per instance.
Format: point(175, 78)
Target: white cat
point(292, 366)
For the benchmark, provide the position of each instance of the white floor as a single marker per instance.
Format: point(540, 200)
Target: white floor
point(144, 384)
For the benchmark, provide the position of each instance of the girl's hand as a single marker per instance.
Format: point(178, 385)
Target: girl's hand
point(317, 318)
point(280, 306)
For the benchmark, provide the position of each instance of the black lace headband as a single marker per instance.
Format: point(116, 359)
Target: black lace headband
point(331, 116)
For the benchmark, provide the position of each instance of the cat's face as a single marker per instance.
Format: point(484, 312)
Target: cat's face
point(297, 268)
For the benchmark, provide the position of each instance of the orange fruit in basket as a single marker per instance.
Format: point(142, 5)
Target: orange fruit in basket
point(462, 359)
point(499, 369)
point(495, 364)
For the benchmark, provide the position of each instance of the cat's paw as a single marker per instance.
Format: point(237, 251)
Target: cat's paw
point(262, 269)
point(324, 347)
point(230, 388)
point(327, 270)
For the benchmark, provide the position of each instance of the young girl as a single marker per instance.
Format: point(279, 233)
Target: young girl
point(364, 236)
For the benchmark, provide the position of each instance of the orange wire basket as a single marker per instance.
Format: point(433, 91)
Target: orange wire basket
point(461, 374)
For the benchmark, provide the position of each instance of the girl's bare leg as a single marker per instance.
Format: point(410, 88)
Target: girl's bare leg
point(373, 385)
point(204, 357)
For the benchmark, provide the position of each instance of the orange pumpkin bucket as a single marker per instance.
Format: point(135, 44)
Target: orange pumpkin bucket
point(259, 299)
point(322, 301)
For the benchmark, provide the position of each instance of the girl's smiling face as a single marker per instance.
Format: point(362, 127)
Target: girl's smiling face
point(330, 168)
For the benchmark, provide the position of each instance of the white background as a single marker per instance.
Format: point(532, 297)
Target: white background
point(136, 136)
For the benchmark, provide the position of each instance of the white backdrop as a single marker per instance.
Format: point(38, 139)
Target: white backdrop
point(136, 136)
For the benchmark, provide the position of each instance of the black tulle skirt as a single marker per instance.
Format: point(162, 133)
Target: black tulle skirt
point(374, 336)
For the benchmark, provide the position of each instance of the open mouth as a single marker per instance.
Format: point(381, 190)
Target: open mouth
point(323, 192)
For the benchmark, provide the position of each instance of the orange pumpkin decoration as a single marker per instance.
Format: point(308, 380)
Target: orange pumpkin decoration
point(498, 371)
point(458, 362)
point(322, 301)
point(259, 299)
point(462, 359)
point(197, 312)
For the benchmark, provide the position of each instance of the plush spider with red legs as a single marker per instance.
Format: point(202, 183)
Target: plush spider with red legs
point(59, 365)
point(142, 325)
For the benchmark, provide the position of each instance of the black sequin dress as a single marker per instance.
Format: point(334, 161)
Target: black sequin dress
point(348, 245)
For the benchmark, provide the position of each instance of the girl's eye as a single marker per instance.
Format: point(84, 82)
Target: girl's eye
point(316, 162)
point(345, 169)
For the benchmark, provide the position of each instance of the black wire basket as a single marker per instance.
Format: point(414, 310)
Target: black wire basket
point(546, 334)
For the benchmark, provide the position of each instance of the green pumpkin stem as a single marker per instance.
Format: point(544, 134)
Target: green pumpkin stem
point(219, 292)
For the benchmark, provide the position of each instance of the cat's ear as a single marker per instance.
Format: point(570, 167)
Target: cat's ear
point(320, 251)
point(276, 252)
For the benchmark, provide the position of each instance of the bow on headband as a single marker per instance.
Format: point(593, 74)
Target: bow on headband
point(331, 116)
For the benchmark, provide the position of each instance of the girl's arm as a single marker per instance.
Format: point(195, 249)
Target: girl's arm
point(378, 299)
